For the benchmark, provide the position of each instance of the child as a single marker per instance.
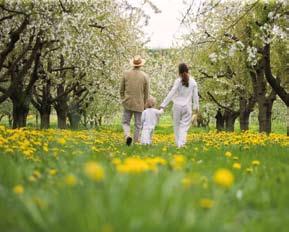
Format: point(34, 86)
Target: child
point(149, 120)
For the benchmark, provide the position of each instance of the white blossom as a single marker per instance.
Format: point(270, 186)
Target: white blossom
point(213, 57)
point(252, 55)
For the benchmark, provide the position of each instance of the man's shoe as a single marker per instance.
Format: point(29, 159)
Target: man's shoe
point(128, 141)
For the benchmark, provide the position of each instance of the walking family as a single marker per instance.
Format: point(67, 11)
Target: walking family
point(134, 93)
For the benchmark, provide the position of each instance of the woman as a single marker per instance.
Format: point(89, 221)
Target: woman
point(183, 93)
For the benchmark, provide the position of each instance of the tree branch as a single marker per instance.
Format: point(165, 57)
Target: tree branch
point(7, 17)
point(63, 7)
point(242, 16)
point(97, 26)
point(231, 36)
point(219, 104)
point(34, 76)
point(66, 92)
point(3, 98)
point(14, 37)
point(275, 84)
point(35, 104)
point(62, 69)
point(83, 97)
point(51, 50)
point(3, 90)
point(12, 11)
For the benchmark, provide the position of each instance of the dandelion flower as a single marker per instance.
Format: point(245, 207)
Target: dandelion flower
point(18, 189)
point(228, 154)
point(178, 162)
point(236, 165)
point(52, 172)
point(206, 203)
point(61, 141)
point(36, 174)
point(224, 178)
point(70, 180)
point(249, 170)
point(94, 171)
point(187, 182)
point(255, 162)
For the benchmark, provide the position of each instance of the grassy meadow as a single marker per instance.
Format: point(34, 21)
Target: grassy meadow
point(88, 180)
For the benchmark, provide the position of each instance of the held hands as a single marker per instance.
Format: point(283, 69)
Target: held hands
point(195, 111)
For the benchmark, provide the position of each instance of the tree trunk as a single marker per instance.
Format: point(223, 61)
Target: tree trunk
point(10, 120)
point(265, 103)
point(230, 119)
point(91, 124)
point(85, 119)
point(219, 121)
point(61, 119)
point(36, 119)
point(61, 107)
point(20, 112)
point(246, 108)
point(265, 115)
point(230, 124)
point(74, 120)
point(96, 122)
point(287, 120)
point(275, 82)
point(244, 120)
point(100, 121)
point(44, 120)
point(2, 116)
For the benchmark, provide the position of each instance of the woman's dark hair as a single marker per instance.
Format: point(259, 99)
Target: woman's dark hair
point(183, 69)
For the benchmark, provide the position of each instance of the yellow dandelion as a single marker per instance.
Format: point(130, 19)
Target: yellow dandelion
point(36, 174)
point(165, 149)
point(52, 172)
point(39, 202)
point(255, 162)
point(228, 154)
point(70, 180)
point(45, 148)
point(116, 161)
point(178, 162)
point(249, 170)
point(224, 178)
point(236, 165)
point(18, 189)
point(61, 141)
point(187, 182)
point(32, 178)
point(94, 171)
point(206, 203)
point(106, 228)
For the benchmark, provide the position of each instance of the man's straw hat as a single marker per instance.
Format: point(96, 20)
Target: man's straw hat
point(137, 61)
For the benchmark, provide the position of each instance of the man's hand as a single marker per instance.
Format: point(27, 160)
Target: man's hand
point(196, 111)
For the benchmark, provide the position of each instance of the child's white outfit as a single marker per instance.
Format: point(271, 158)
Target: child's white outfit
point(149, 119)
point(182, 97)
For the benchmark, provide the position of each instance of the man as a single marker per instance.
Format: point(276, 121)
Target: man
point(134, 92)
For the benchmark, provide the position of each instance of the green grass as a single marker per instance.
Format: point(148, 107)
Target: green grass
point(148, 201)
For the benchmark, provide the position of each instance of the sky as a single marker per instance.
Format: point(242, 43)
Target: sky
point(164, 28)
